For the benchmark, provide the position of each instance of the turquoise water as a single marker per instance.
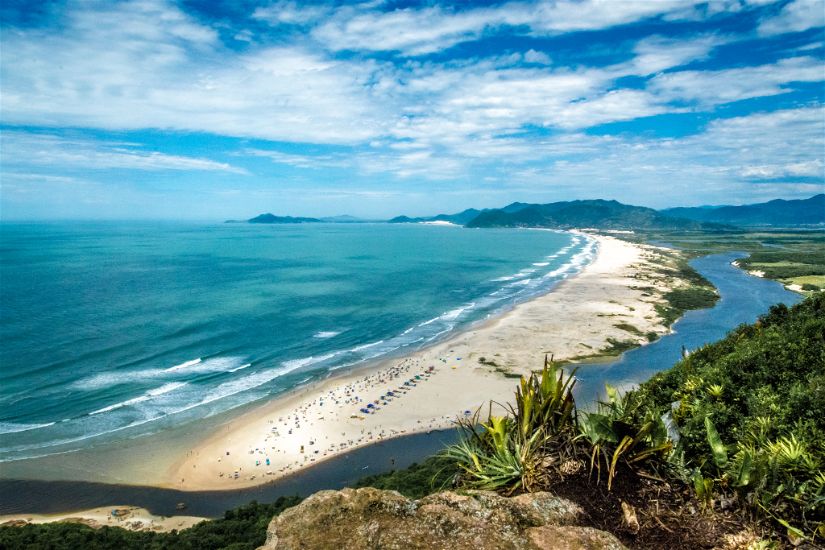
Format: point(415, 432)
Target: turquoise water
point(111, 330)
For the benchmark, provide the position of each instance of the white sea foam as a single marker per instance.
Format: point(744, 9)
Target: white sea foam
point(326, 334)
point(109, 379)
point(184, 365)
point(356, 349)
point(454, 313)
point(541, 264)
point(306, 361)
point(166, 388)
point(215, 364)
point(236, 369)
point(12, 427)
point(246, 383)
point(425, 323)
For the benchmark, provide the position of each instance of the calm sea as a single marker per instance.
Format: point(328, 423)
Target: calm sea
point(110, 330)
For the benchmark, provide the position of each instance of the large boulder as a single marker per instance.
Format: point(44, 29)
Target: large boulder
point(481, 520)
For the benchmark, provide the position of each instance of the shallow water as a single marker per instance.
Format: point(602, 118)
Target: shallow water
point(113, 330)
point(743, 299)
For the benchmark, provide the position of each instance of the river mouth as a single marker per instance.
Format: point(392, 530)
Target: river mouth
point(742, 299)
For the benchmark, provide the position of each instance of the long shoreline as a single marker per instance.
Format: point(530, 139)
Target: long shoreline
point(583, 315)
point(579, 317)
point(744, 298)
point(429, 388)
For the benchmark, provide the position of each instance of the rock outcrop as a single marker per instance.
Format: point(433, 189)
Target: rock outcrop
point(481, 520)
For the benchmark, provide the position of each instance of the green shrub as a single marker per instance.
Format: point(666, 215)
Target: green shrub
point(243, 528)
point(762, 389)
point(516, 452)
point(416, 481)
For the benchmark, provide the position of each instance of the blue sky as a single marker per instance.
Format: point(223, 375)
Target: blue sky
point(210, 110)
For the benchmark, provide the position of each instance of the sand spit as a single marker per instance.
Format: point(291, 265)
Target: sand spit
point(127, 517)
point(612, 299)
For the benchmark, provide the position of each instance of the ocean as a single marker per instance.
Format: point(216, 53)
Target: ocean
point(116, 329)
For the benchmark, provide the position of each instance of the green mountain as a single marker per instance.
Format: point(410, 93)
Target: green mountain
point(599, 214)
point(461, 218)
point(271, 218)
point(777, 212)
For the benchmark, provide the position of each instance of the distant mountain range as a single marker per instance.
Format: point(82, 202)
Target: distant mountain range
point(599, 214)
point(271, 218)
point(777, 212)
point(462, 218)
point(610, 214)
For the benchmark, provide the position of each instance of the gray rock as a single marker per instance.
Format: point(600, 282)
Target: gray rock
point(481, 520)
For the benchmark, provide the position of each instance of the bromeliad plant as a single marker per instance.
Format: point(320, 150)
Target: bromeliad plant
point(780, 477)
point(623, 431)
point(519, 451)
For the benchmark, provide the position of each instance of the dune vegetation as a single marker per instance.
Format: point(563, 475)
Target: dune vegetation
point(740, 423)
point(725, 448)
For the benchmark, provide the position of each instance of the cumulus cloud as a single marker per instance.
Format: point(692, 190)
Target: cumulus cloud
point(148, 65)
point(519, 116)
point(797, 16)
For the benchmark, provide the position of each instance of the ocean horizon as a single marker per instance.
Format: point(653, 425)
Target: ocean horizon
point(118, 329)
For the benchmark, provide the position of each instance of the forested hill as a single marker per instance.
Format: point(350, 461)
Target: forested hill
point(600, 214)
point(777, 212)
point(271, 218)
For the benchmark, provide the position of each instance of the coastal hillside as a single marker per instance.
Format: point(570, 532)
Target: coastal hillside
point(598, 214)
point(461, 218)
point(724, 450)
point(780, 212)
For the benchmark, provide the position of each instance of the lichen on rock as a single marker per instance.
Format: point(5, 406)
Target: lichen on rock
point(481, 520)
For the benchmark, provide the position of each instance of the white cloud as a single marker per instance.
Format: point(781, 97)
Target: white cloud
point(414, 31)
point(430, 29)
point(721, 164)
point(658, 53)
point(541, 58)
point(148, 65)
point(298, 160)
point(797, 16)
point(716, 87)
point(53, 151)
point(290, 13)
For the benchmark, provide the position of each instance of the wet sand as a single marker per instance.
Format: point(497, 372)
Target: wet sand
point(430, 388)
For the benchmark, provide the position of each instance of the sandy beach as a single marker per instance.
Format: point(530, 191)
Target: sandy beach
point(612, 298)
point(127, 517)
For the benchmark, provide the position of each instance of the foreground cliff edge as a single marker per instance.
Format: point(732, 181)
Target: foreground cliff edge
point(483, 520)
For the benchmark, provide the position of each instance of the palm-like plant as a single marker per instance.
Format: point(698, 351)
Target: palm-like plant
point(514, 452)
point(616, 435)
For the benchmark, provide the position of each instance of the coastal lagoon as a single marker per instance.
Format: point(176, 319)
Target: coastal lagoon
point(115, 330)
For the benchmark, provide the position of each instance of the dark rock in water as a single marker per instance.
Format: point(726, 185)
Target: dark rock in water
point(481, 520)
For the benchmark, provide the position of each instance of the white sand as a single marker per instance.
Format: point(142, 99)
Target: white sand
point(621, 285)
point(129, 517)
